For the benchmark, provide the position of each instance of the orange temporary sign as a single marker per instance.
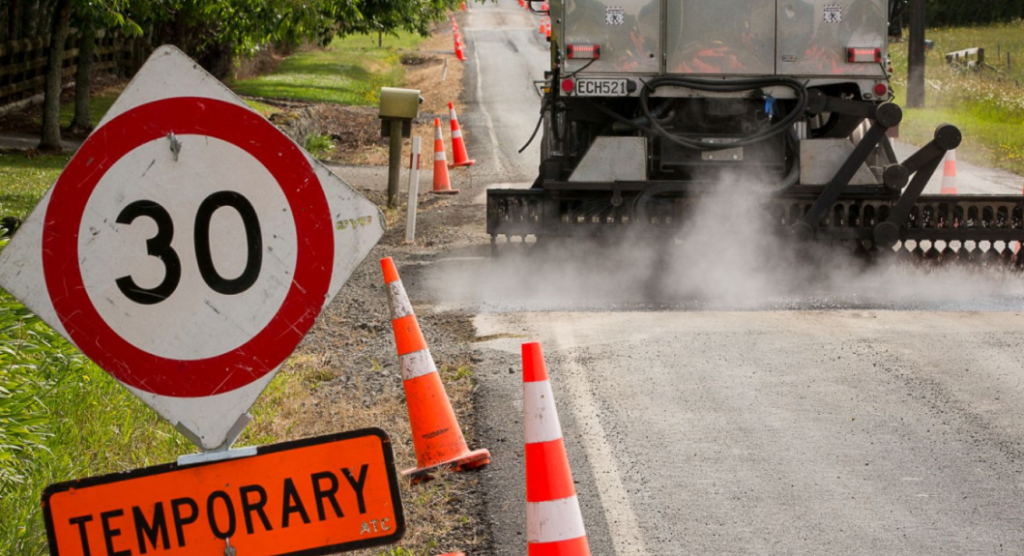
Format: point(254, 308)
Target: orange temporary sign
point(313, 496)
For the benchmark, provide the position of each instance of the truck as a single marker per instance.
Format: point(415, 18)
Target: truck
point(651, 105)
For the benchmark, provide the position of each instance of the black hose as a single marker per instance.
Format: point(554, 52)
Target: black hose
point(731, 86)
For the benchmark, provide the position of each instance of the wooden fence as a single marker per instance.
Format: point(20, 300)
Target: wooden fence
point(23, 62)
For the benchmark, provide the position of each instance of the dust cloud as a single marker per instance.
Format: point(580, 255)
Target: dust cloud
point(726, 257)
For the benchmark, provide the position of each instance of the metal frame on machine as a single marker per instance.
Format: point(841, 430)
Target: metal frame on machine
point(891, 216)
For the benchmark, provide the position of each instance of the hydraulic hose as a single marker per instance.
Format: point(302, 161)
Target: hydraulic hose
point(717, 86)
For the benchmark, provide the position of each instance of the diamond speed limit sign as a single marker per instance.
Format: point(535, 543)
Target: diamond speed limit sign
point(188, 247)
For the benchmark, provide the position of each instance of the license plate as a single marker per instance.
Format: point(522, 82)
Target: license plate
point(601, 88)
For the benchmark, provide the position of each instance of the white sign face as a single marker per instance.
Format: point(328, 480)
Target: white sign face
point(188, 247)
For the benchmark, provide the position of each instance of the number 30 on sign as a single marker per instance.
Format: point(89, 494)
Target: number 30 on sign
point(188, 247)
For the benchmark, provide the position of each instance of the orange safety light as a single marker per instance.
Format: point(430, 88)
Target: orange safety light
point(864, 55)
point(583, 51)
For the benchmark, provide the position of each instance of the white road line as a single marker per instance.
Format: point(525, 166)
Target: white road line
point(622, 521)
point(495, 151)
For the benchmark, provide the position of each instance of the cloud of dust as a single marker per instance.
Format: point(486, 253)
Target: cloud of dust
point(728, 256)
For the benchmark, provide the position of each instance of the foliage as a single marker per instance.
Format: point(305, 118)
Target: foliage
point(319, 145)
point(243, 26)
point(958, 12)
point(25, 371)
point(987, 106)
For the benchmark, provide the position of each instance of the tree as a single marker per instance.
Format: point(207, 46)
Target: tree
point(82, 121)
point(59, 13)
point(54, 69)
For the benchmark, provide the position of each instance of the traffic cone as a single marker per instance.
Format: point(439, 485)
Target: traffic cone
point(436, 435)
point(458, 145)
point(547, 27)
point(554, 524)
point(442, 186)
point(949, 174)
point(458, 50)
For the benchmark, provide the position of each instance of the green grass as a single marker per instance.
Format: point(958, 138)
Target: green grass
point(350, 71)
point(62, 417)
point(98, 106)
point(24, 180)
point(987, 106)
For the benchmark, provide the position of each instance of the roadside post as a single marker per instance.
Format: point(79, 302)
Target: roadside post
point(186, 249)
point(414, 186)
point(398, 107)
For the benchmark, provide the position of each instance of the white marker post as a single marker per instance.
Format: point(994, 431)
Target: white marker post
point(414, 185)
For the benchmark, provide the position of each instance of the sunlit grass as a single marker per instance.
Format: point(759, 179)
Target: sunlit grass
point(350, 71)
point(987, 106)
point(24, 180)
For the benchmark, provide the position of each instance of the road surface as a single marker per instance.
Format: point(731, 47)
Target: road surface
point(787, 411)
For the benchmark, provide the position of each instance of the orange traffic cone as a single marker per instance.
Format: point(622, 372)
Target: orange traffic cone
point(461, 158)
point(463, 6)
point(442, 186)
point(458, 50)
point(547, 27)
point(436, 435)
point(949, 174)
point(554, 524)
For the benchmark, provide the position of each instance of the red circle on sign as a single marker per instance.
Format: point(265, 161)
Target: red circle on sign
point(267, 349)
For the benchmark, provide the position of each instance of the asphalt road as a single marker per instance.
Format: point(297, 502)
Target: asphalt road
point(791, 414)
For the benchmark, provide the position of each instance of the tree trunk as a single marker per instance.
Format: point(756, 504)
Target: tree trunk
point(51, 103)
point(44, 13)
point(82, 122)
point(30, 17)
point(14, 19)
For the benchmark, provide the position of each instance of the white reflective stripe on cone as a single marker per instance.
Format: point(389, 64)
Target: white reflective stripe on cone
point(451, 114)
point(439, 156)
point(417, 363)
point(557, 520)
point(540, 416)
point(400, 306)
point(457, 134)
point(437, 133)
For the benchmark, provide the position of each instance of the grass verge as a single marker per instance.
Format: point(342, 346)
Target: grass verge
point(349, 71)
point(23, 181)
point(987, 105)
